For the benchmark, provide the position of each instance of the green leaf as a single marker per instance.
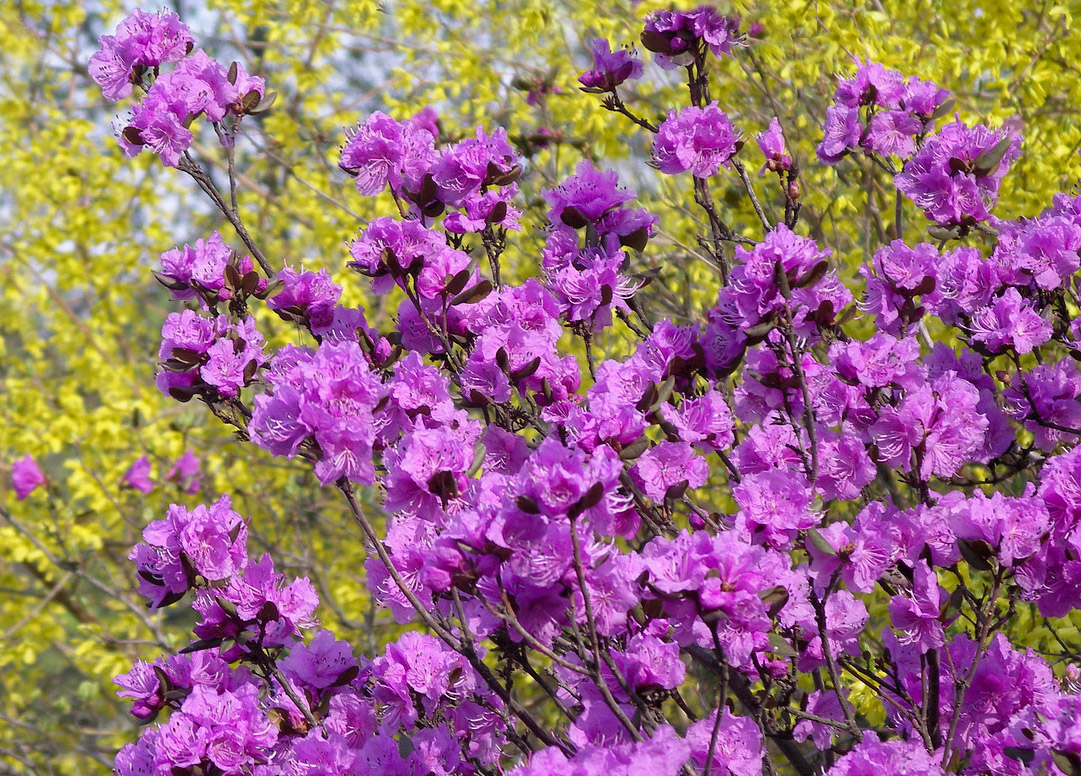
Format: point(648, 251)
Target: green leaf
point(474, 294)
point(987, 162)
point(780, 645)
point(940, 232)
point(944, 109)
point(820, 543)
point(970, 553)
point(634, 449)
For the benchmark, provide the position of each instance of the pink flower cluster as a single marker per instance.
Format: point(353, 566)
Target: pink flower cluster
point(691, 549)
point(197, 86)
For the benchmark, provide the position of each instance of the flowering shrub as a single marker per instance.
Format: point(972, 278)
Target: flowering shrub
point(693, 557)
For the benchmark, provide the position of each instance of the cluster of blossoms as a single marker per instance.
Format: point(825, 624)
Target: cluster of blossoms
point(333, 408)
point(251, 696)
point(678, 37)
point(610, 68)
point(759, 494)
point(475, 176)
point(142, 42)
point(956, 175)
point(584, 257)
point(209, 271)
point(880, 111)
point(197, 86)
point(695, 140)
point(210, 354)
point(953, 174)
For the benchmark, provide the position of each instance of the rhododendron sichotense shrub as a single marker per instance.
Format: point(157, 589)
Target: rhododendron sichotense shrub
point(787, 535)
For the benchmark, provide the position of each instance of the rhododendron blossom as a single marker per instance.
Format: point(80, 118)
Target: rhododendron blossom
point(788, 533)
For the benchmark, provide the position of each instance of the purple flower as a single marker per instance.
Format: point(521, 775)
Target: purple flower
point(900, 273)
point(940, 420)
point(422, 665)
point(138, 476)
point(207, 541)
point(482, 208)
point(427, 468)
point(662, 755)
point(138, 759)
point(320, 664)
point(216, 358)
point(143, 686)
point(213, 538)
point(727, 575)
point(704, 421)
point(1014, 527)
point(844, 467)
point(767, 446)
point(310, 294)
point(439, 270)
point(382, 151)
point(484, 379)
point(246, 85)
point(200, 85)
point(610, 68)
point(1045, 249)
point(329, 396)
point(892, 133)
point(873, 84)
point(669, 468)
point(1044, 398)
point(1009, 322)
point(955, 177)
point(558, 479)
point(923, 99)
point(237, 732)
point(700, 140)
point(141, 41)
point(464, 168)
point(880, 112)
point(880, 361)
point(156, 124)
point(225, 368)
point(185, 473)
point(249, 594)
point(753, 294)
point(26, 477)
point(872, 757)
point(821, 703)
point(589, 283)
point(674, 36)
point(738, 751)
point(389, 250)
point(771, 143)
point(633, 226)
point(651, 661)
point(774, 506)
point(916, 615)
point(210, 542)
point(197, 267)
point(427, 118)
point(585, 196)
